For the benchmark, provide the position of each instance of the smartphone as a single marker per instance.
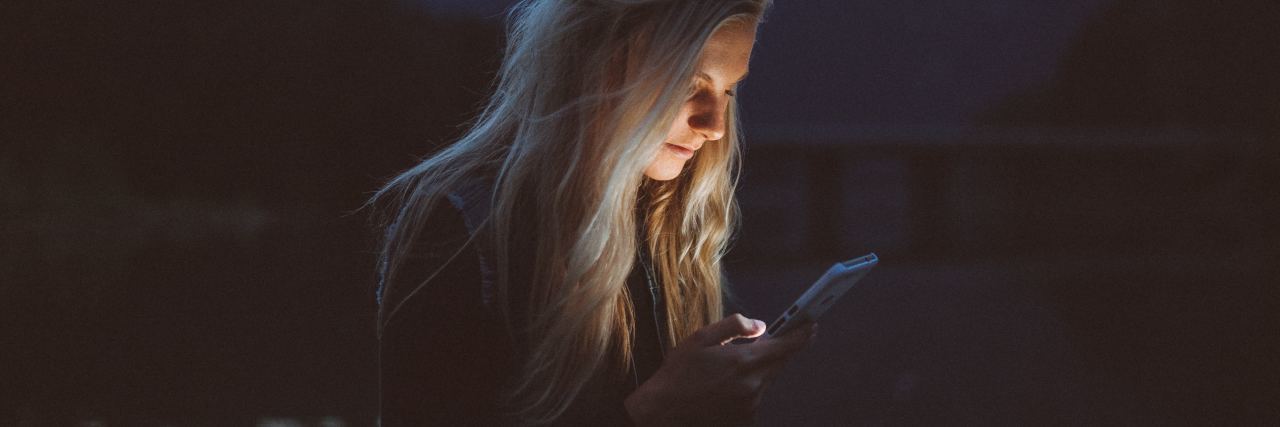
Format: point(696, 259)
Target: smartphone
point(815, 301)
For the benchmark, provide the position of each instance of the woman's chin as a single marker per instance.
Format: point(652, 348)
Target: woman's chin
point(664, 169)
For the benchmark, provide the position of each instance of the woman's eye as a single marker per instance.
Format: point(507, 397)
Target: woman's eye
point(731, 92)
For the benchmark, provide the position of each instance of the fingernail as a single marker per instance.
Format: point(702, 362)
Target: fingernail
point(759, 324)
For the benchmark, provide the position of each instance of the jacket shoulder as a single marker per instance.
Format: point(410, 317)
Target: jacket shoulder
point(448, 244)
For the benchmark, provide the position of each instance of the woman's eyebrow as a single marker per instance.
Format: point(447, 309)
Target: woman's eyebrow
point(708, 78)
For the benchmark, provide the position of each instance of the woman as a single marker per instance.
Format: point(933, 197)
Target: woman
point(561, 262)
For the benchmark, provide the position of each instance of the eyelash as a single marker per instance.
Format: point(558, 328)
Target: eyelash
point(731, 92)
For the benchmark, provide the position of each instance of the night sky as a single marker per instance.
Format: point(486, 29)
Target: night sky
point(887, 64)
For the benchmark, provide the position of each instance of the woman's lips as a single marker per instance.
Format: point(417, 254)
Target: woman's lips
point(678, 151)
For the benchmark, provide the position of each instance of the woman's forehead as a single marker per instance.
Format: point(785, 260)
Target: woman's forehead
point(728, 52)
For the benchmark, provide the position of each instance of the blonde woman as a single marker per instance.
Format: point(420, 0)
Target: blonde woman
point(561, 262)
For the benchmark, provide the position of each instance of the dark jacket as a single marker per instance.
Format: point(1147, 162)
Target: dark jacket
point(445, 355)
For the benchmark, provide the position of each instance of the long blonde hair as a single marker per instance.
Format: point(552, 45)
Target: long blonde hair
point(584, 98)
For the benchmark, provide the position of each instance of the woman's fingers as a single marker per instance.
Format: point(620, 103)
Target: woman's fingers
point(772, 349)
point(765, 376)
point(727, 329)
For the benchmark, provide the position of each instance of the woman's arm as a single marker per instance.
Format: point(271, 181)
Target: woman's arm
point(442, 361)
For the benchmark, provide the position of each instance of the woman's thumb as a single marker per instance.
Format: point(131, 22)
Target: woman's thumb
point(728, 329)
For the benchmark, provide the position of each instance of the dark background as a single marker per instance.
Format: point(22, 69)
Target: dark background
point(1074, 202)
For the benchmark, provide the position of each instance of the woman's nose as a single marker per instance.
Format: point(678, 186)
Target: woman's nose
point(708, 118)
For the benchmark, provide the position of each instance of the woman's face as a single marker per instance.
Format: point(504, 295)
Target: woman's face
point(721, 66)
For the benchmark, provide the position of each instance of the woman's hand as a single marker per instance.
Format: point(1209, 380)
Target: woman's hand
point(707, 381)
